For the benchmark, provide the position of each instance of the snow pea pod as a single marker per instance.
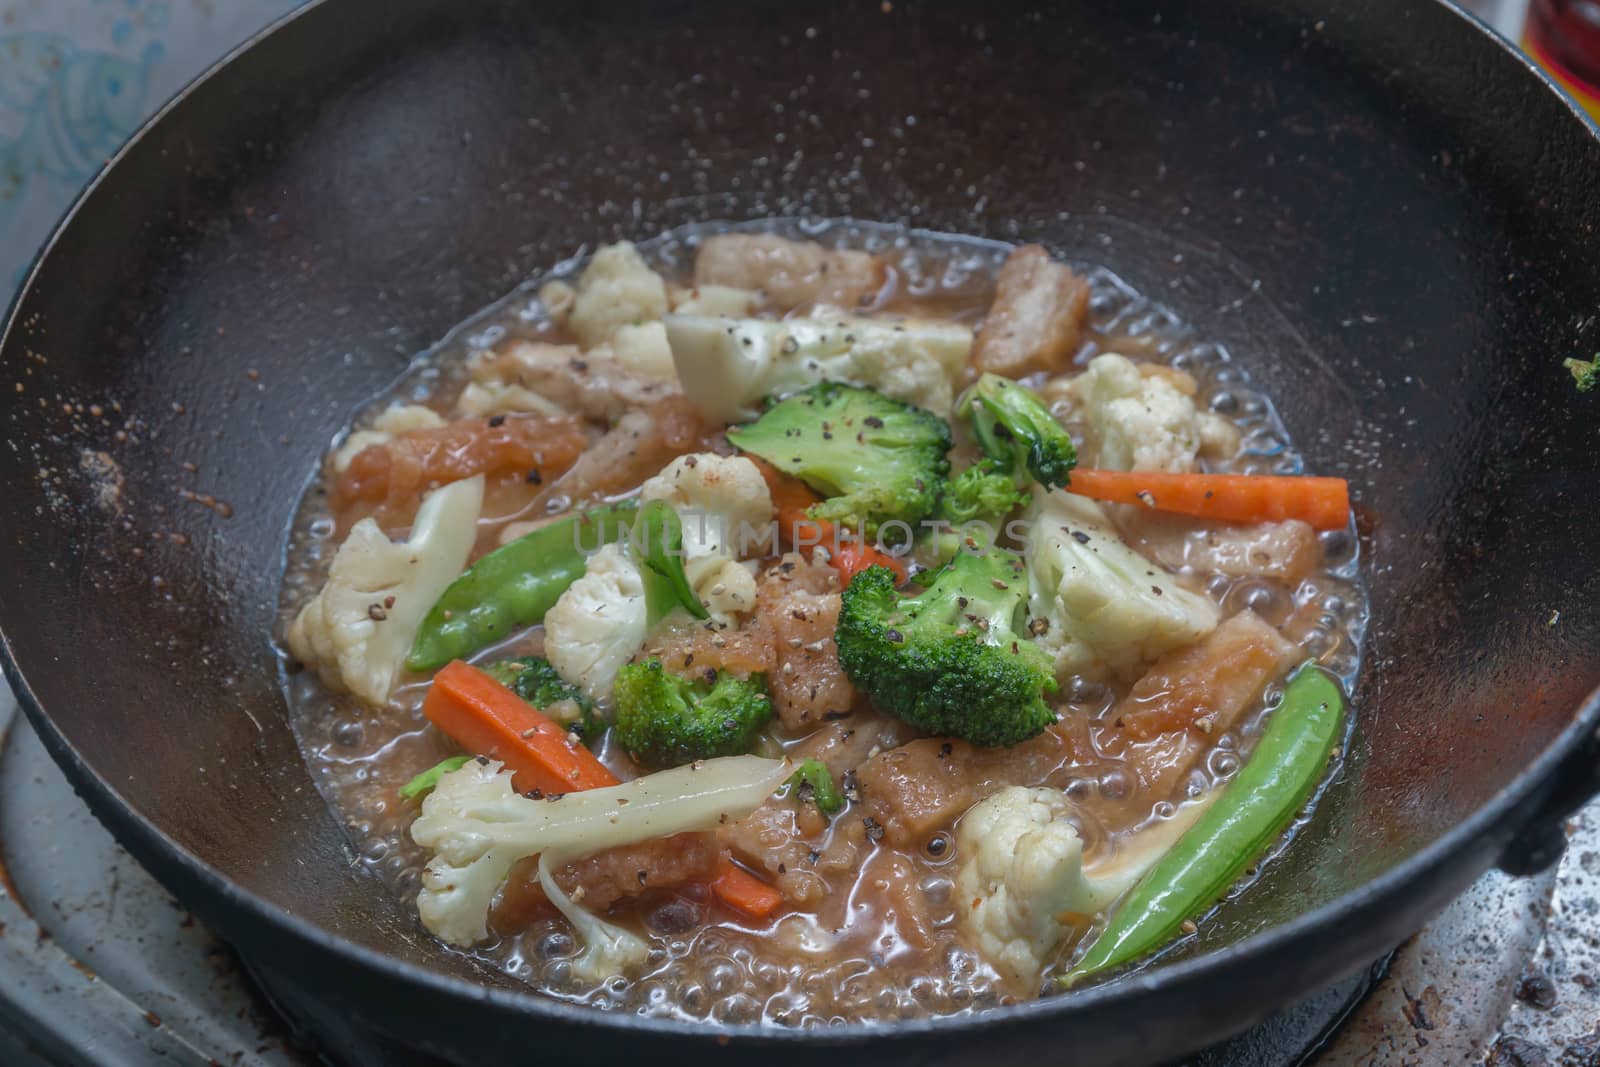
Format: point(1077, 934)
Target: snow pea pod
point(1252, 811)
point(514, 585)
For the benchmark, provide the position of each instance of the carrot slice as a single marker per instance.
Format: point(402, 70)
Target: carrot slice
point(792, 498)
point(854, 557)
point(1324, 503)
point(744, 892)
point(487, 719)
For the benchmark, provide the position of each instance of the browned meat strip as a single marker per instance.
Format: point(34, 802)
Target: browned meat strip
point(1285, 551)
point(798, 602)
point(791, 273)
point(925, 785)
point(597, 389)
point(1036, 320)
point(600, 881)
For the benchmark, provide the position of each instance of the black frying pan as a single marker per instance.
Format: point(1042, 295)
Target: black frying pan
point(1389, 217)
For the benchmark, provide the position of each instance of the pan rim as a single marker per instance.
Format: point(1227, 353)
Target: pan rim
point(144, 838)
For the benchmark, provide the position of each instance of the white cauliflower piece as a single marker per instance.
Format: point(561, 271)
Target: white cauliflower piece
point(725, 301)
point(356, 632)
point(1022, 866)
point(616, 289)
point(394, 420)
point(1109, 610)
point(1141, 422)
point(727, 366)
point(483, 399)
point(1022, 869)
point(598, 624)
point(726, 511)
point(478, 827)
point(642, 349)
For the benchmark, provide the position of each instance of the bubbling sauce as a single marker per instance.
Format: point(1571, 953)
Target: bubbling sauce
point(860, 956)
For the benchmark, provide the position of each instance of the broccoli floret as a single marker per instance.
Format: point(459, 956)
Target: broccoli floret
point(873, 458)
point(813, 783)
point(534, 680)
point(972, 511)
point(951, 659)
point(985, 492)
point(664, 720)
point(1586, 373)
point(1015, 428)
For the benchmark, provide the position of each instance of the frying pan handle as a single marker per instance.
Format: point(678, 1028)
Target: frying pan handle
point(1543, 837)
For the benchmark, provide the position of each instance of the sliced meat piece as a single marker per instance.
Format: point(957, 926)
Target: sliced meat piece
point(387, 480)
point(600, 881)
point(843, 746)
point(796, 848)
point(1206, 687)
point(918, 788)
point(1171, 718)
point(925, 785)
point(598, 388)
point(638, 446)
point(791, 273)
point(1037, 318)
point(1284, 551)
point(684, 645)
point(798, 603)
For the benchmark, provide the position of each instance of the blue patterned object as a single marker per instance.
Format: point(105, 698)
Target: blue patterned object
point(77, 77)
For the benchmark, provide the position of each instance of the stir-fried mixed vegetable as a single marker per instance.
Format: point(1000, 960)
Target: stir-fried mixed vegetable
point(830, 614)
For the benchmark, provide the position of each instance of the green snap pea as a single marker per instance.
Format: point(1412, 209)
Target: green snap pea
point(514, 585)
point(1252, 811)
point(658, 538)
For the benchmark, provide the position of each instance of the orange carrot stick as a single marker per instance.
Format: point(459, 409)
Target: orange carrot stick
point(1322, 502)
point(487, 719)
point(744, 892)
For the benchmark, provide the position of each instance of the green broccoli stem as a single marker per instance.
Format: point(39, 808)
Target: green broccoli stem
point(813, 783)
point(428, 779)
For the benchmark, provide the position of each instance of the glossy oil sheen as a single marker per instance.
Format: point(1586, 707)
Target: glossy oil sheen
point(1294, 177)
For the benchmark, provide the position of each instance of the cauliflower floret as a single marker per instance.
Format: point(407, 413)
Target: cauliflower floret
point(482, 399)
point(393, 420)
point(728, 366)
point(1145, 422)
point(478, 827)
point(720, 300)
point(726, 511)
point(1022, 868)
point(356, 632)
point(1109, 611)
point(616, 289)
point(598, 623)
point(642, 349)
